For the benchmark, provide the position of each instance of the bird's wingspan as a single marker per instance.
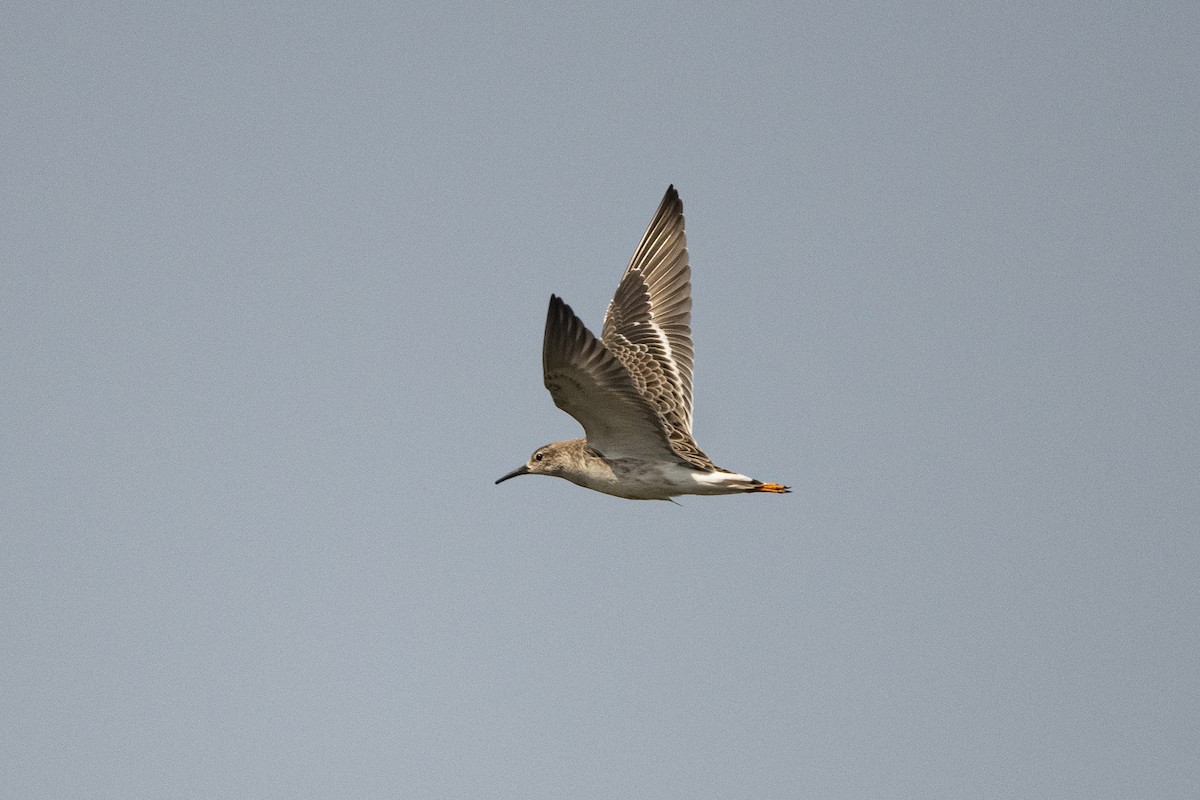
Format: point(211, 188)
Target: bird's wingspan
point(647, 326)
point(588, 382)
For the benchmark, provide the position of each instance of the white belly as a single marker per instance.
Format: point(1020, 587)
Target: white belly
point(642, 480)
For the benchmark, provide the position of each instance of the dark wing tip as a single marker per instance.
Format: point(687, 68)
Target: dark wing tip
point(558, 313)
point(671, 198)
point(566, 336)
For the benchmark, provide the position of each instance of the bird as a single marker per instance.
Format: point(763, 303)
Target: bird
point(631, 388)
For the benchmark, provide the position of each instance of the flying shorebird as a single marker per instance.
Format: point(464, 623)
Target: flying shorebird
point(631, 389)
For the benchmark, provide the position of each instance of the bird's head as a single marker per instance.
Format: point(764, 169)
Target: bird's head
point(550, 459)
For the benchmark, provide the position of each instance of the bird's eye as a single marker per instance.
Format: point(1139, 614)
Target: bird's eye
point(537, 456)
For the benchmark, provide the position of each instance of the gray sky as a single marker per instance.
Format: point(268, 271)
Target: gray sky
point(275, 280)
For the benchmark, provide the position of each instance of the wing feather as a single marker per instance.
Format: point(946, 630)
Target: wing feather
point(648, 323)
point(592, 385)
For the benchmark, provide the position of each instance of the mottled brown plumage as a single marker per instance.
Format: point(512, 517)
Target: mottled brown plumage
point(631, 389)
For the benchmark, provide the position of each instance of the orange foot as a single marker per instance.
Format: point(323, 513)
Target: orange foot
point(777, 488)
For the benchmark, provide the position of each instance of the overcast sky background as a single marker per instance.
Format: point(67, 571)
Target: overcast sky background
point(274, 282)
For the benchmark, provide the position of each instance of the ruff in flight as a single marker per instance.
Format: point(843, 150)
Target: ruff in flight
point(631, 389)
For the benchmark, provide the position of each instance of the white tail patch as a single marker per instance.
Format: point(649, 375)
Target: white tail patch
point(722, 482)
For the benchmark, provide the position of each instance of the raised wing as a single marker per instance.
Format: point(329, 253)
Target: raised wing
point(648, 323)
point(593, 386)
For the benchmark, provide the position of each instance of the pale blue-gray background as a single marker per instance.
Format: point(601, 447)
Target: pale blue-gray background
point(274, 280)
